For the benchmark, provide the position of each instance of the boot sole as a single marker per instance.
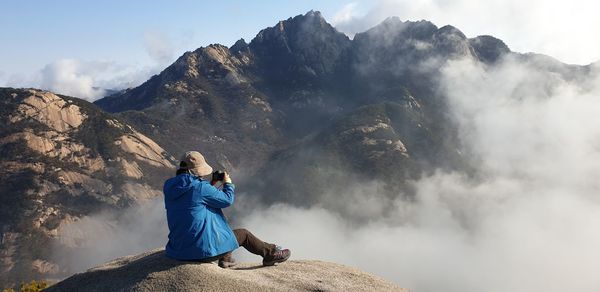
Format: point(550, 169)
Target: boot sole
point(227, 265)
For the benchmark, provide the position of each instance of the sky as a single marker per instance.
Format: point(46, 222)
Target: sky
point(82, 47)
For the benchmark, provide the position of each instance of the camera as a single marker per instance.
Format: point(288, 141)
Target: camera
point(218, 175)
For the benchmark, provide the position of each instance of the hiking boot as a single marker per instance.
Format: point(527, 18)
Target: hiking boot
point(227, 262)
point(278, 256)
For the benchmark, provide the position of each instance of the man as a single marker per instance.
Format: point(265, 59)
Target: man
point(198, 229)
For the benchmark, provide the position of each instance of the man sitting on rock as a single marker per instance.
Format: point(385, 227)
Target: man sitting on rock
point(198, 229)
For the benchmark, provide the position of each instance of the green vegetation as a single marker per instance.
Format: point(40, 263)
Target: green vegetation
point(33, 286)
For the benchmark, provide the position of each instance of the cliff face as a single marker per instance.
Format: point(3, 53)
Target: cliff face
point(61, 159)
point(152, 271)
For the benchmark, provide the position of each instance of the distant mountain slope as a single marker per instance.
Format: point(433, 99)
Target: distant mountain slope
point(205, 100)
point(62, 158)
point(389, 141)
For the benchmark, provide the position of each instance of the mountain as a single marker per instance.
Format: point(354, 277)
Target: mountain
point(248, 105)
point(241, 103)
point(153, 271)
point(63, 158)
point(302, 101)
point(206, 101)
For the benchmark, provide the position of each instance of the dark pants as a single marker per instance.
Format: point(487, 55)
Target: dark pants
point(252, 244)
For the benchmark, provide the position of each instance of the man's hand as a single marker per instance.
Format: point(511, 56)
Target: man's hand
point(227, 178)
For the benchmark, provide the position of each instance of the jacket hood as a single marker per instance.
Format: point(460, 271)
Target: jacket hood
point(175, 187)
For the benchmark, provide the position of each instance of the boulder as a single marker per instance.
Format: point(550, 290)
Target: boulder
point(153, 271)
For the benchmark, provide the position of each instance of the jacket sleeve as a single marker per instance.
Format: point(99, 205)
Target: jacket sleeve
point(216, 198)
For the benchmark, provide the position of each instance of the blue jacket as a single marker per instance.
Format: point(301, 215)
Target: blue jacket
point(197, 227)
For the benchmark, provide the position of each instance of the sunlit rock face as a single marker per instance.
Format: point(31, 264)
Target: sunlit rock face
point(61, 159)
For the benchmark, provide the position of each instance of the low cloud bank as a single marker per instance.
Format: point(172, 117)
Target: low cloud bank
point(458, 236)
point(92, 80)
point(99, 238)
point(88, 80)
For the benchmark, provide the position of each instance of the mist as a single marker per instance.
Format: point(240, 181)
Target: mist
point(102, 237)
point(526, 221)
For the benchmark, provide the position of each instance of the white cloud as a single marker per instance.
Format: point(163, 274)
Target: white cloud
point(563, 29)
point(159, 46)
point(86, 80)
point(90, 79)
point(346, 14)
point(72, 77)
point(107, 235)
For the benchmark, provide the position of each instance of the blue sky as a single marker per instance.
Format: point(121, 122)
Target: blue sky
point(73, 47)
point(36, 32)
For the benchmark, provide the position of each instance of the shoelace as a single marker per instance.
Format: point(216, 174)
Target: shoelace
point(279, 252)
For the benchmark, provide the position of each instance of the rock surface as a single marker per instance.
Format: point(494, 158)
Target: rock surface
point(62, 159)
point(153, 271)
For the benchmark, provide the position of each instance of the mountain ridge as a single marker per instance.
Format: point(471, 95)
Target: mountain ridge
point(294, 80)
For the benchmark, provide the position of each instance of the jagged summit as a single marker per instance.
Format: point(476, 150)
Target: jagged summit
point(239, 46)
point(153, 271)
point(306, 44)
point(312, 20)
point(488, 48)
point(393, 27)
point(451, 30)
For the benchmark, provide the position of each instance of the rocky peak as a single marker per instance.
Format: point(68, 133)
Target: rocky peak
point(488, 48)
point(449, 30)
point(239, 47)
point(450, 42)
point(393, 30)
point(407, 50)
point(306, 43)
point(394, 36)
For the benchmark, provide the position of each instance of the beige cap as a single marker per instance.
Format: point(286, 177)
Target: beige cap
point(195, 162)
